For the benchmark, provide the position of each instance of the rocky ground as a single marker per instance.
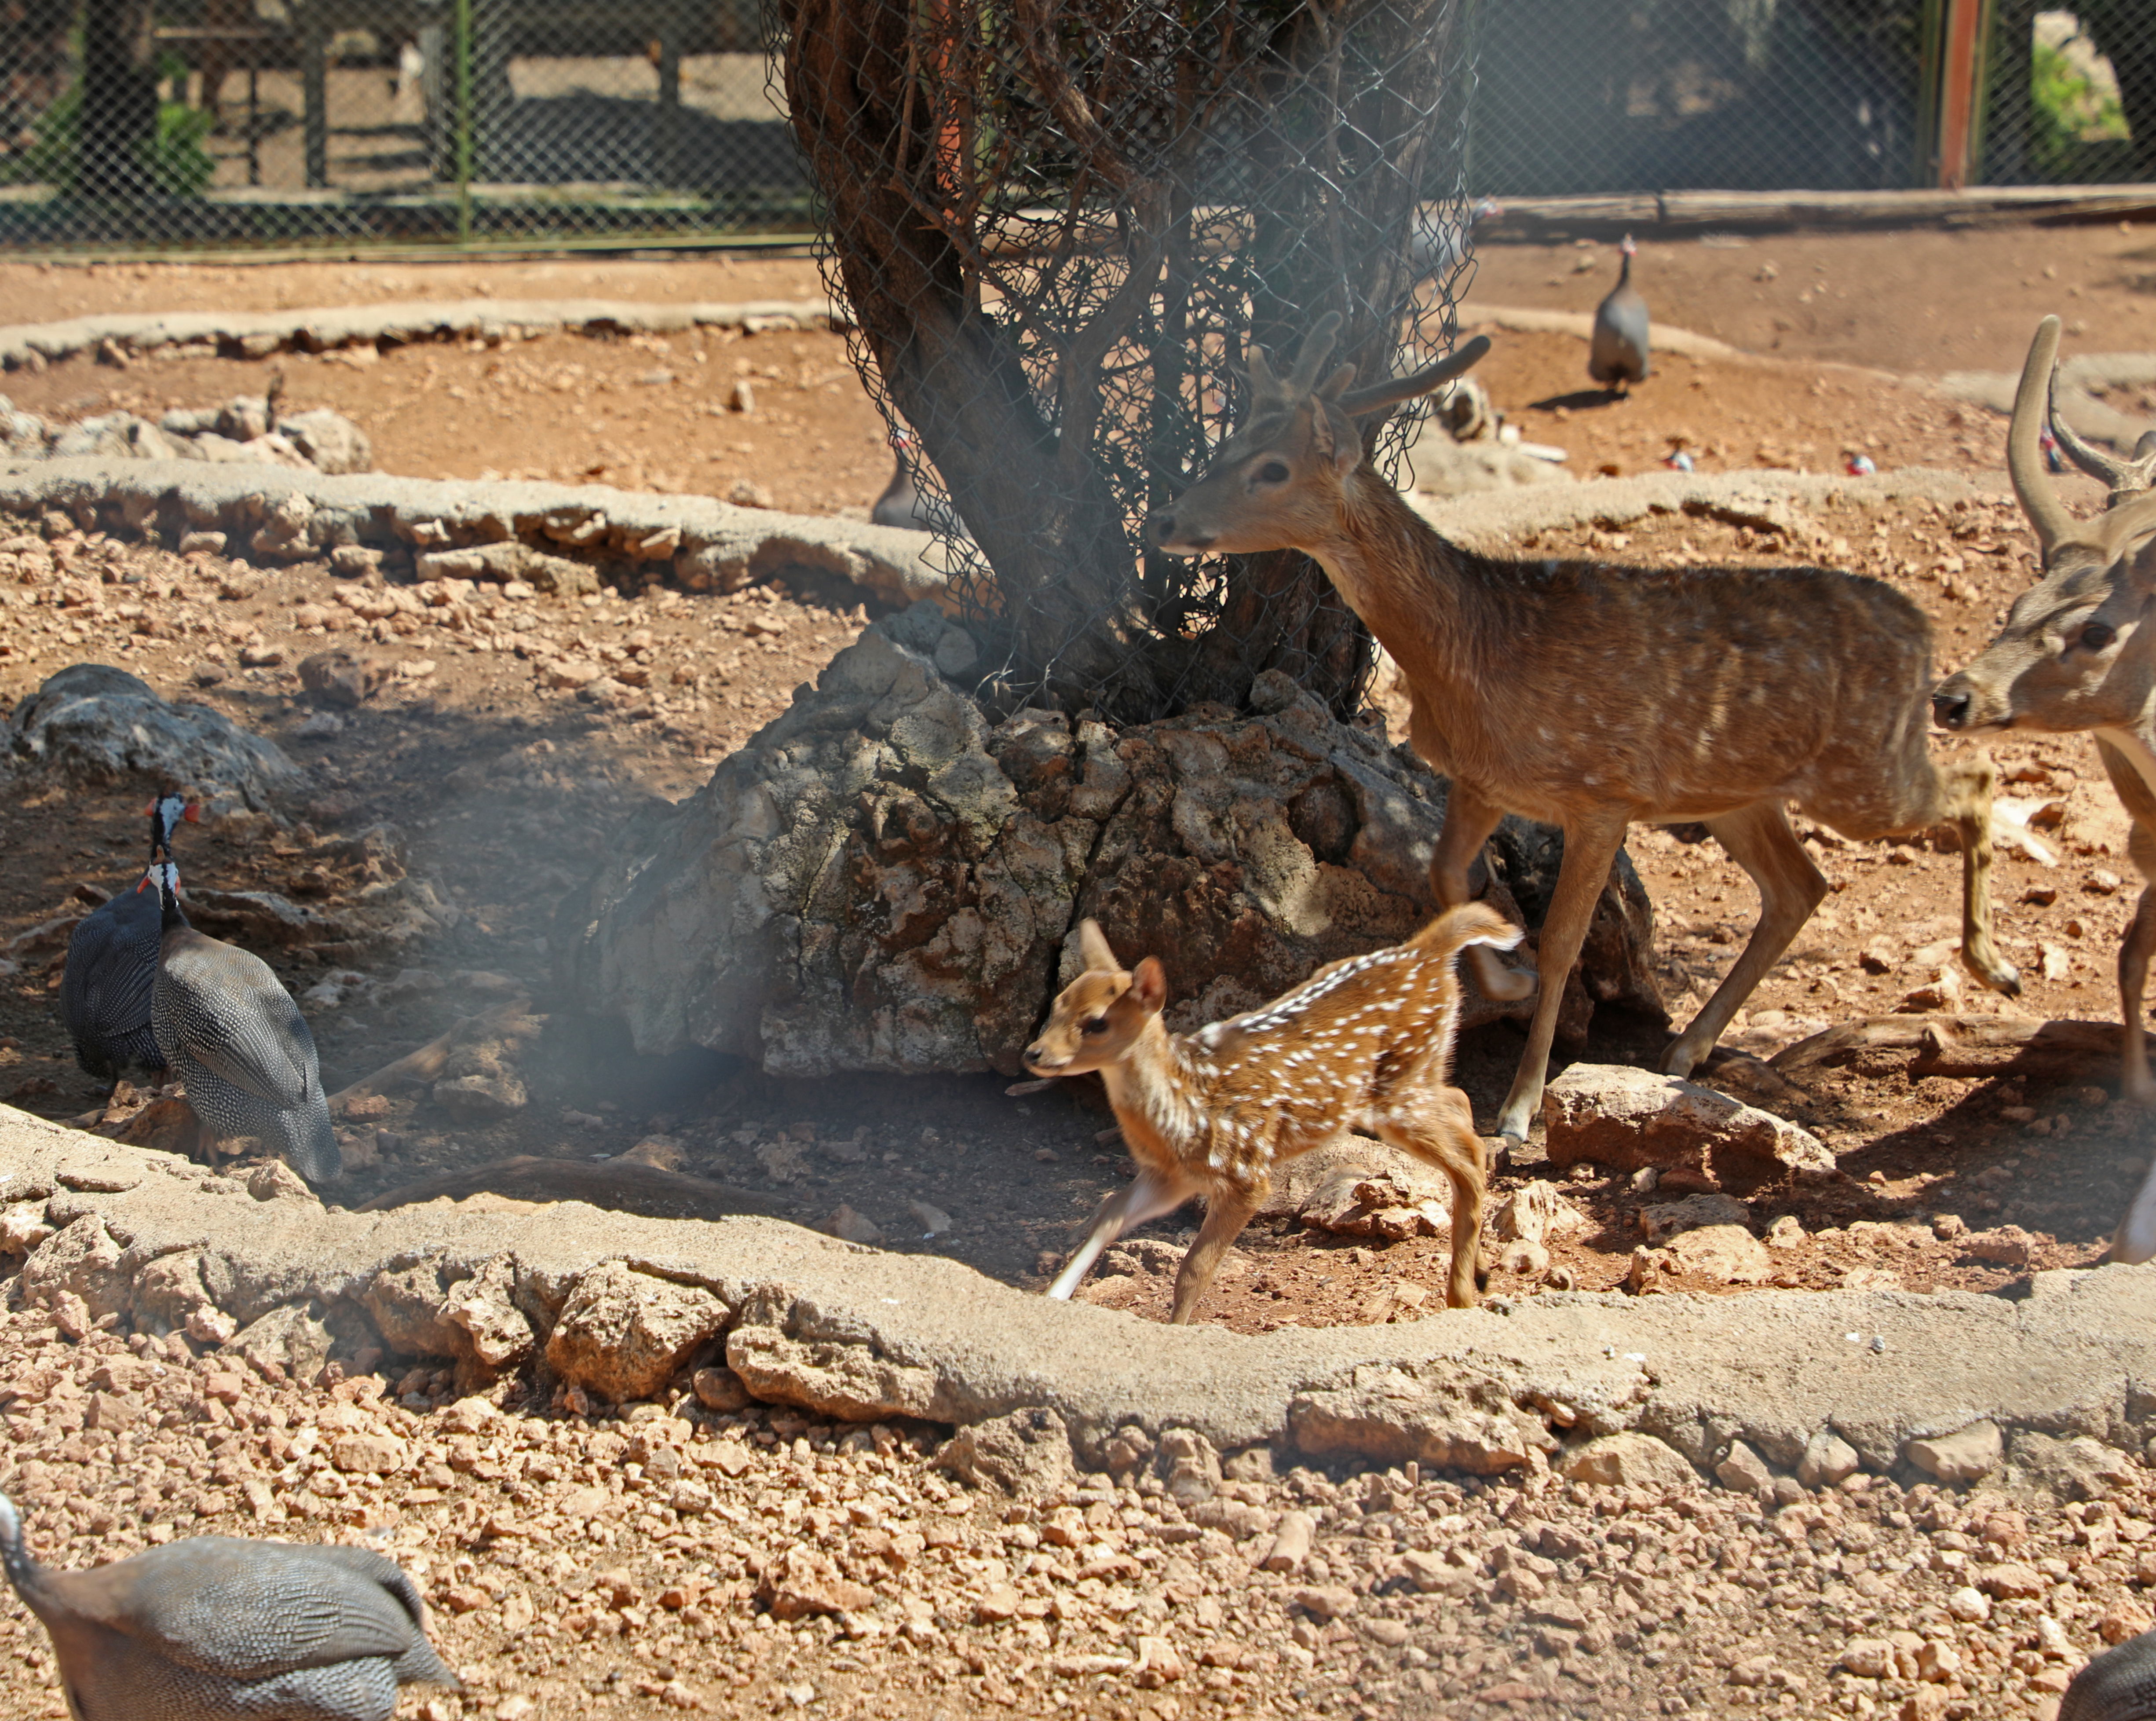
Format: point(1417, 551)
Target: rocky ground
point(511, 736)
point(748, 1561)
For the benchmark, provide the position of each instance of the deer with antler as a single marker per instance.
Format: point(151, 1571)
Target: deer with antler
point(1592, 696)
point(1364, 1042)
point(2078, 653)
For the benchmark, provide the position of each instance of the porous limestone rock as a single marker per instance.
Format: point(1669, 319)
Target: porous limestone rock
point(1630, 1459)
point(882, 879)
point(1026, 1454)
point(1445, 1419)
point(1614, 1115)
point(622, 1333)
point(1963, 1455)
point(91, 725)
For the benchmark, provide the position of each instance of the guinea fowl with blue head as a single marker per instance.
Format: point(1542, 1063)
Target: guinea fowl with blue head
point(213, 1628)
point(1618, 355)
point(232, 1035)
point(112, 964)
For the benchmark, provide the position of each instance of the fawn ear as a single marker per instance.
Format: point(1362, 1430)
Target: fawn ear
point(1093, 946)
point(1149, 984)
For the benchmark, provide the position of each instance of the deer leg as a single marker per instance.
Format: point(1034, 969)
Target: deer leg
point(2134, 950)
point(1469, 820)
point(1590, 849)
point(1148, 1197)
point(1227, 1211)
point(1968, 786)
point(1441, 1133)
point(1758, 838)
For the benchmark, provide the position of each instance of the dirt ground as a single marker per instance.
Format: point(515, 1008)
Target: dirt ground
point(505, 790)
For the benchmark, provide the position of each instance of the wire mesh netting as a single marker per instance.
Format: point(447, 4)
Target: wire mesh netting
point(236, 121)
point(1058, 226)
point(1580, 96)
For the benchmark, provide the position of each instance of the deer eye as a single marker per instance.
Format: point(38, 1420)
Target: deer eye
point(1095, 1025)
point(1273, 472)
point(2097, 635)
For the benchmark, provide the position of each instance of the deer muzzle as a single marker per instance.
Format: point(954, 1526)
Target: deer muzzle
point(1961, 704)
point(1161, 529)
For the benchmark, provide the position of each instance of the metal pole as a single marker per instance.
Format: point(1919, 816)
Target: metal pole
point(1962, 59)
point(464, 163)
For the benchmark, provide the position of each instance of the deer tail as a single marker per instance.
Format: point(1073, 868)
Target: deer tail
point(1471, 924)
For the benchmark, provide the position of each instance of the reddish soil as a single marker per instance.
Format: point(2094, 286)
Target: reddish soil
point(506, 792)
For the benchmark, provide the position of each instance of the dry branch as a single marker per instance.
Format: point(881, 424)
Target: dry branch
point(427, 1062)
point(1966, 1046)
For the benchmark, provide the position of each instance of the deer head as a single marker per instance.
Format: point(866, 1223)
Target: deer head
point(1098, 1016)
point(1277, 482)
point(2078, 651)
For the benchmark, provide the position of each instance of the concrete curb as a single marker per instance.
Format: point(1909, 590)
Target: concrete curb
point(857, 1335)
point(1493, 520)
point(280, 514)
point(321, 328)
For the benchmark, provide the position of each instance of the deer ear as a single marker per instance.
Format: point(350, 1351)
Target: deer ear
point(1149, 984)
point(1093, 946)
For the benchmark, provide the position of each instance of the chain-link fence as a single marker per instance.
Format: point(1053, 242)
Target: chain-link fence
point(1580, 96)
point(236, 121)
point(1058, 225)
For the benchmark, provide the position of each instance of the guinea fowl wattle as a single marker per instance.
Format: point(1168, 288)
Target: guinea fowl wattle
point(112, 965)
point(213, 1628)
point(232, 1034)
point(1619, 353)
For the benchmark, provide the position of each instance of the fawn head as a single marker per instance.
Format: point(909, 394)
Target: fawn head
point(2078, 651)
point(1100, 1015)
point(1276, 483)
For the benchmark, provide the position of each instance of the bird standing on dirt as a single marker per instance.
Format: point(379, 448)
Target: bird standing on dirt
point(217, 1629)
point(1618, 355)
point(1434, 250)
point(900, 503)
point(232, 1035)
point(112, 963)
point(2119, 1685)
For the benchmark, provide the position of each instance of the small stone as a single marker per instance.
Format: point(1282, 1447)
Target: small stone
point(747, 493)
point(1727, 1253)
point(1868, 1658)
point(1786, 1232)
point(1969, 1605)
point(741, 398)
point(1628, 1460)
point(261, 657)
point(571, 672)
point(1536, 1212)
point(1827, 1460)
point(1668, 1219)
point(202, 543)
point(2011, 1580)
point(719, 1389)
point(1744, 1470)
point(1962, 1457)
point(1290, 1542)
point(2123, 1620)
point(1324, 1602)
point(1629, 1119)
point(852, 1227)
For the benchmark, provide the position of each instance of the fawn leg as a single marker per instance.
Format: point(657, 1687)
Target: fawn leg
point(1227, 1211)
point(2134, 951)
point(1758, 838)
point(1590, 848)
point(1442, 1135)
point(1148, 1197)
point(1968, 787)
point(1469, 820)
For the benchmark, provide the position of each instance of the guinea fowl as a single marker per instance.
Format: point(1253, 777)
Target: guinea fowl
point(112, 963)
point(1434, 250)
point(2119, 1685)
point(232, 1035)
point(217, 1629)
point(1618, 356)
point(900, 503)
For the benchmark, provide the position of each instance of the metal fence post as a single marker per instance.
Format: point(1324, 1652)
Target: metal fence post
point(1956, 33)
point(463, 163)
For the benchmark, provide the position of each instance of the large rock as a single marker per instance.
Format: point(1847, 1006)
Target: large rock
point(882, 880)
point(623, 1333)
point(1626, 1119)
point(1628, 1461)
point(92, 725)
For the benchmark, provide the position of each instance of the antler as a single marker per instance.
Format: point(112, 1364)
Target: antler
point(1395, 389)
point(2127, 477)
point(2024, 462)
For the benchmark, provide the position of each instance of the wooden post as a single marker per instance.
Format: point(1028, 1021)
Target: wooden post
point(1960, 108)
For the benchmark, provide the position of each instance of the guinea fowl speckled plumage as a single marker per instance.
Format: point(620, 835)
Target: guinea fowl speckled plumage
point(2119, 1685)
point(217, 1629)
point(232, 1034)
point(1620, 348)
point(111, 965)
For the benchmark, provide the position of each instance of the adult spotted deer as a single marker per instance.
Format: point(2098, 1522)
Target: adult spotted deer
point(1366, 1043)
point(1591, 696)
point(2078, 652)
